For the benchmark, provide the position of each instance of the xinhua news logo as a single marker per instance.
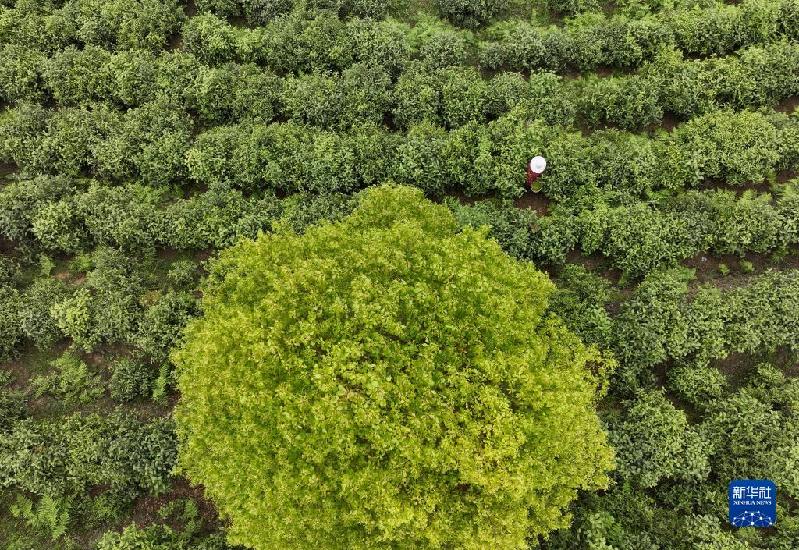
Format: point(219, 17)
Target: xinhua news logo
point(753, 502)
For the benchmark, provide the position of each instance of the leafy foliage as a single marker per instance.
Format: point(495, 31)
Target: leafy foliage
point(381, 433)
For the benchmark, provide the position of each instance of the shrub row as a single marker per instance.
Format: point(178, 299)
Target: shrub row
point(636, 237)
point(687, 462)
point(640, 237)
point(61, 215)
point(453, 96)
point(593, 42)
point(631, 8)
point(295, 43)
point(149, 142)
point(259, 12)
point(115, 24)
point(115, 304)
point(362, 93)
point(71, 454)
point(663, 321)
point(153, 143)
point(734, 147)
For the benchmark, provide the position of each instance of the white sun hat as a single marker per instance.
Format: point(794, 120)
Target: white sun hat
point(538, 164)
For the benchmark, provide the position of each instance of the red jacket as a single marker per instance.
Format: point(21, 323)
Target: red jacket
point(531, 177)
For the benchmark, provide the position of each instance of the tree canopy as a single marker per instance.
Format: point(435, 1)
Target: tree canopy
point(386, 380)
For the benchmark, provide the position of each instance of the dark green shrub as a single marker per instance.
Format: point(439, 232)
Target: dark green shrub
point(470, 13)
point(130, 379)
point(106, 308)
point(417, 97)
point(131, 77)
point(511, 227)
point(581, 301)
point(21, 201)
point(68, 455)
point(12, 404)
point(698, 384)
point(34, 313)
point(57, 226)
point(504, 92)
point(233, 92)
point(210, 39)
point(301, 211)
point(183, 274)
point(125, 24)
point(128, 217)
point(70, 381)
point(463, 96)
point(570, 7)
point(734, 147)
point(20, 73)
point(654, 441)
point(78, 77)
point(443, 48)
point(163, 323)
point(11, 333)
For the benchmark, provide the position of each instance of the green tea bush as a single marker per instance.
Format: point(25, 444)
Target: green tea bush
point(77, 77)
point(125, 24)
point(301, 211)
point(748, 223)
point(417, 97)
point(34, 312)
point(734, 147)
point(71, 381)
point(698, 384)
point(129, 217)
point(20, 202)
point(359, 96)
point(163, 323)
point(37, 25)
point(513, 228)
point(106, 307)
point(130, 379)
point(183, 274)
point(210, 39)
point(57, 226)
point(626, 102)
point(659, 322)
point(216, 219)
point(437, 45)
point(296, 43)
point(570, 7)
point(404, 257)
point(20, 73)
point(654, 441)
point(463, 97)
point(639, 239)
point(131, 77)
point(750, 434)
point(470, 13)
point(12, 408)
point(235, 92)
point(593, 40)
point(581, 301)
point(647, 319)
point(547, 99)
point(11, 334)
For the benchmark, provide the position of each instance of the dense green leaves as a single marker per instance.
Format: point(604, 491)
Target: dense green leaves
point(398, 374)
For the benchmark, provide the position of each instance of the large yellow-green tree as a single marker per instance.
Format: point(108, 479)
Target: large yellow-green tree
point(386, 381)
